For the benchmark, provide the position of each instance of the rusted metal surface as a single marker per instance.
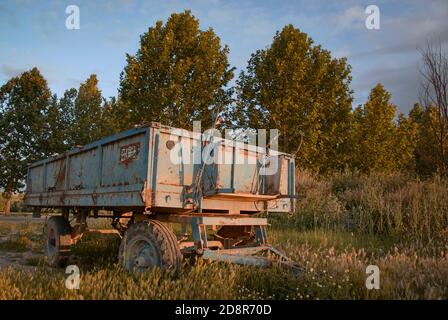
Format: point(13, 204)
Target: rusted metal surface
point(134, 171)
point(261, 256)
point(103, 231)
point(134, 175)
point(108, 173)
point(209, 220)
point(238, 239)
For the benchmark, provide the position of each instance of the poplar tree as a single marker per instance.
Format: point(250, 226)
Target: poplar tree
point(427, 145)
point(24, 104)
point(179, 74)
point(379, 142)
point(298, 88)
point(87, 113)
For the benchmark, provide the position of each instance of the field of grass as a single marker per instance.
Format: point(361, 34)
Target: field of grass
point(341, 226)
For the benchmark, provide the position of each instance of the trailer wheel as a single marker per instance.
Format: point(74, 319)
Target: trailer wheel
point(149, 244)
point(57, 244)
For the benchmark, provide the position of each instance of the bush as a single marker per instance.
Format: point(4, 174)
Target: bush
point(391, 205)
point(17, 204)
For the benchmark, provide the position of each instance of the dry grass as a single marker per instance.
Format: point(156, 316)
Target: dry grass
point(340, 273)
point(21, 237)
point(335, 270)
point(343, 224)
point(393, 206)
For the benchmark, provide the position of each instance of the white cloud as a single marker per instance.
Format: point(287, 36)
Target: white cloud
point(351, 18)
point(11, 71)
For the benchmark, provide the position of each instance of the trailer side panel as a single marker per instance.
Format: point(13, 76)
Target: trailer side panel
point(109, 173)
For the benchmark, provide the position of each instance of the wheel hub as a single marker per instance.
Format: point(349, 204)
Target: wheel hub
point(143, 255)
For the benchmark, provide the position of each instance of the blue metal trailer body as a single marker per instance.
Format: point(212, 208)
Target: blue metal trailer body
point(149, 175)
point(92, 176)
point(134, 170)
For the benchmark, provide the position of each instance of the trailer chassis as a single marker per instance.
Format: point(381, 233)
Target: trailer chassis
point(258, 253)
point(246, 242)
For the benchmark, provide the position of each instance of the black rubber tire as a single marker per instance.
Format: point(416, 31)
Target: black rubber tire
point(156, 235)
point(57, 242)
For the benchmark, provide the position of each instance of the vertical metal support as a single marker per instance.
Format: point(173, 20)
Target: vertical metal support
point(154, 168)
point(261, 235)
point(196, 235)
point(81, 219)
point(199, 235)
point(100, 166)
point(203, 229)
point(181, 165)
point(261, 173)
point(148, 162)
point(66, 213)
point(232, 170)
point(67, 175)
point(36, 212)
point(44, 182)
point(28, 185)
point(291, 183)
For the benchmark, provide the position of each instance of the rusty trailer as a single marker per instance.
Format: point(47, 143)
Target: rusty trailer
point(152, 175)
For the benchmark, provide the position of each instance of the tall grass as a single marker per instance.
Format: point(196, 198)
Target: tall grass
point(332, 273)
point(342, 224)
point(392, 205)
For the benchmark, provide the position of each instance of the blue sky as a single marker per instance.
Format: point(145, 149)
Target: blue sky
point(33, 33)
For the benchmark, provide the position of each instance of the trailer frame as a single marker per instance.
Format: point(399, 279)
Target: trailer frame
point(78, 182)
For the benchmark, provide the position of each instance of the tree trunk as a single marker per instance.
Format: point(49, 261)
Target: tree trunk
point(8, 205)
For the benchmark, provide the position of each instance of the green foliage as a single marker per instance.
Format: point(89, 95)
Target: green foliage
point(87, 113)
point(58, 121)
point(404, 144)
point(17, 204)
point(429, 140)
point(60, 127)
point(24, 114)
point(334, 260)
point(34, 124)
point(81, 116)
point(180, 73)
point(297, 87)
point(110, 120)
point(177, 75)
point(373, 132)
point(378, 142)
point(394, 206)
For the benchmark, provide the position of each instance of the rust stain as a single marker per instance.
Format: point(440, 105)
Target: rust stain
point(129, 153)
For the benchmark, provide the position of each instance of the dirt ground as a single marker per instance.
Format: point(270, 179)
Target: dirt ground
point(18, 259)
point(16, 249)
point(21, 218)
